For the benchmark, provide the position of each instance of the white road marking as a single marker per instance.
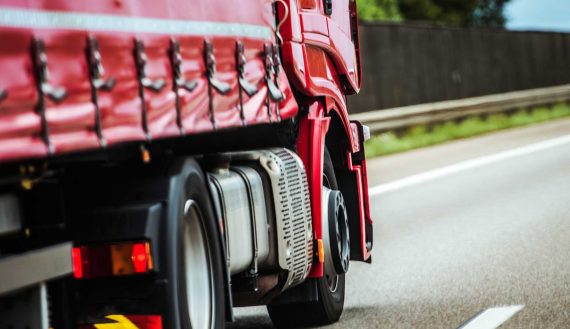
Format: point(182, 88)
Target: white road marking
point(492, 318)
point(466, 165)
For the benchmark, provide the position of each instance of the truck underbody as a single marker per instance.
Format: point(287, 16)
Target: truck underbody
point(163, 162)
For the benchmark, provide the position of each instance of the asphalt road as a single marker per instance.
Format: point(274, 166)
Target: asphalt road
point(447, 248)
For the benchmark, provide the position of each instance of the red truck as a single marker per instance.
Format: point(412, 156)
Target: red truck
point(162, 162)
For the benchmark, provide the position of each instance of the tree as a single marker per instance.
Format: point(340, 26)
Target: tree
point(489, 13)
point(481, 13)
point(449, 12)
point(378, 10)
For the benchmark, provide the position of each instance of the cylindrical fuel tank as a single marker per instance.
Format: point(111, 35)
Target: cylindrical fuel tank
point(239, 199)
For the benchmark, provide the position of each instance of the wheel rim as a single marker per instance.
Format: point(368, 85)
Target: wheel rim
point(342, 235)
point(329, 273)
point(335, 237)
point(198, 269)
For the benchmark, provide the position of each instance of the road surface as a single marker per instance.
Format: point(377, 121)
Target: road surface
point(471, 237)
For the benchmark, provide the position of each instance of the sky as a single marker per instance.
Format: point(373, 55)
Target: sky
point(547, 15)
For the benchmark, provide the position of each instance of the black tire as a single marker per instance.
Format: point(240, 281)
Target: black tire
point(329, 306)
point(188, 190)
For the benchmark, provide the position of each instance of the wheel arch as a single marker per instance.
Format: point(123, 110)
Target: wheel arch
point(339, 144)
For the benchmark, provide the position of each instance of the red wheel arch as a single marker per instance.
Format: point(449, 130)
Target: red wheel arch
point(324, 124)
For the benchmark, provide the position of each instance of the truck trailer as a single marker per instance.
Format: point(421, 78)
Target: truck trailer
point(165, 161)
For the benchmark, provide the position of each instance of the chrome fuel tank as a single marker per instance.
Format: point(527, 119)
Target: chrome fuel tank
point(239, 199)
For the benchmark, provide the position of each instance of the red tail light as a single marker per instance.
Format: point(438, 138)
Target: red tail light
point(114, 259)
point(77, 263)
point(141, 257)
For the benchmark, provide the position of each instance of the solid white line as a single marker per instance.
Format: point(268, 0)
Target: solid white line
point(492, 318)
point(466, 165)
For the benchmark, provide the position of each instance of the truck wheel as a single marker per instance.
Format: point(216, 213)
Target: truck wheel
point(330, 288)
point(195, 267)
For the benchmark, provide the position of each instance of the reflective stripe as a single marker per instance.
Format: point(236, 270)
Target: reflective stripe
point(27, 18)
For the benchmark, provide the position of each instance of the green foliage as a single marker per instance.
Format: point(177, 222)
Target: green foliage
point(421, 136)
point(481, 13)
point(489, 13)
point(378, 10)
point(450, 12)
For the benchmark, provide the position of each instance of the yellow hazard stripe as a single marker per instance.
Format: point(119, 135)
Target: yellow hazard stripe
point(121, 323)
